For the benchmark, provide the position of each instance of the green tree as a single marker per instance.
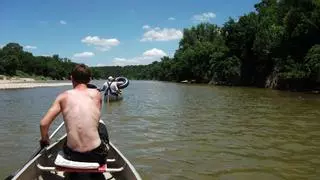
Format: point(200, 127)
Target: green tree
point(312, 62)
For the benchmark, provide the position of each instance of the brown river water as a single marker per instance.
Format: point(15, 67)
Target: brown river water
point(180, 131)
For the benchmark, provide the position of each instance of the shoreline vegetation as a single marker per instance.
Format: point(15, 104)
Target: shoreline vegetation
point(275, 46)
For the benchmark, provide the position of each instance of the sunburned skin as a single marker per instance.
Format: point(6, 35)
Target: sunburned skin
point(81, 113)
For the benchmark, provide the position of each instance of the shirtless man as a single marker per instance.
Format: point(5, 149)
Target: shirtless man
point(81, 110)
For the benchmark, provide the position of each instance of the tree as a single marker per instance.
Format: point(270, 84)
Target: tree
point(10, 64)
point(12, 48)
point(312, 62)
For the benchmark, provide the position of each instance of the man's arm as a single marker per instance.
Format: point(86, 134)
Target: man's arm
point(117, 89)
point(104, 87)
point(99, 98)
point(119, 83)
point(46, 121)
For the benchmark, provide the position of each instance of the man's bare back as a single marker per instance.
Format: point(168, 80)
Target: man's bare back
point(80, 108)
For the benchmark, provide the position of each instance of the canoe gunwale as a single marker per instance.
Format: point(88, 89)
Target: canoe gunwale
point(120, 166)
point(127, 162)
point(54, 169)
point(26, 166)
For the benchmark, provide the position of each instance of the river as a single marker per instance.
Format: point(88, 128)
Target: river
point(181, 131)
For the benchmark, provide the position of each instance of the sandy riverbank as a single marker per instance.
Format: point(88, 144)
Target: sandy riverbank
point(21, 84)
point(30, 85)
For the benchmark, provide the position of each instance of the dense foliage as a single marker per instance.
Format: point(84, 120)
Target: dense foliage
point(15, 61)
point(277, 46)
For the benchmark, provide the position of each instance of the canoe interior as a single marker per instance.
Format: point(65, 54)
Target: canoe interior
point(47, 157)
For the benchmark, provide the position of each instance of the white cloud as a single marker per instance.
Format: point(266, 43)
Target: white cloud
point(46, 55)
point(158, 34)
point(30, 47)
point(204, 17)
point(154, 52)
point(63, 22)
point(171, 18)
point(146, 27)
point(99, 65)
point(125, 62)
point(147, 57)
point(83, 55)
point(100, 43)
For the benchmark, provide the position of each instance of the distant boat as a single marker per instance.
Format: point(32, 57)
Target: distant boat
point(123, 82)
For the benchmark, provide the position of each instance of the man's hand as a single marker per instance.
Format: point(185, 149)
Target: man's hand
point(44, 143)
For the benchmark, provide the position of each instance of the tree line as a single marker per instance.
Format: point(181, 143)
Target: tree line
point(275, 46)
point(15, 61)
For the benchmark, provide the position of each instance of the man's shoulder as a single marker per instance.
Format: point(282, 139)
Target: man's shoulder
point(61, 97)
point(94, 92)
point(64, 94)
point(67, 91)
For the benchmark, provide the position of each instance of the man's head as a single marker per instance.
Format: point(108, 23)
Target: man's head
point(81, 74)
point(110, 78)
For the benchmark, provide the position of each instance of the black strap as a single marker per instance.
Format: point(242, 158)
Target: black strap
point(109, 89)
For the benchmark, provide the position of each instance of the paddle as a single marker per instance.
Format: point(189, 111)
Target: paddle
point(108, 91)
point(37, 151)
point(51, 136)
point(108, 104)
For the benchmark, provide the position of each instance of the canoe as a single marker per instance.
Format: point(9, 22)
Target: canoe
point(42, 166)
point(113, 97)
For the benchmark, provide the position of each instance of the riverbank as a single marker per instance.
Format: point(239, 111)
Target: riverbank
point(4, 86)
point(22, 83)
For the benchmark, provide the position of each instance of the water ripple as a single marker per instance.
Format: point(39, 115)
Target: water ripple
point(178, 131)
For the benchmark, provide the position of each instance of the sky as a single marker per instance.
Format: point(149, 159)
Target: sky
point(105, 32)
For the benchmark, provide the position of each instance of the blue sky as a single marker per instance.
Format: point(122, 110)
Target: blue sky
point(102, 32)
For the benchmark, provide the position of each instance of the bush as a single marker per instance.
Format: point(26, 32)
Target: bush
point(312, 61)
